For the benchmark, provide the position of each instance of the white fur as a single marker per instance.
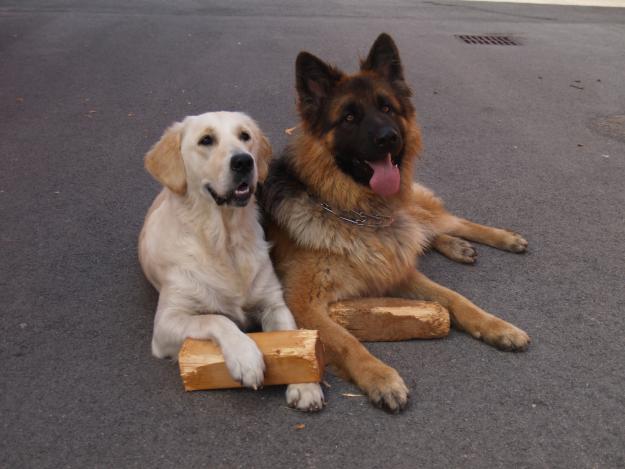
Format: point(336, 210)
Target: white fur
point(211, 263)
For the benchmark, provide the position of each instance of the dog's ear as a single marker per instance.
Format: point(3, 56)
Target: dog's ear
point(164, 161)
point(384, 59)
point(263, 154)
point(314, 80)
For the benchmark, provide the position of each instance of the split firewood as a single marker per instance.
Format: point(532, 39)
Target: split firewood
point(290, 357)
point(391, 319)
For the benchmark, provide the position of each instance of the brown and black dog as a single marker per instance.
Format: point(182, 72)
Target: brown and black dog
point(347, 221)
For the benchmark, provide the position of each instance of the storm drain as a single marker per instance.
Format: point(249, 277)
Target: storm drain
point(492, 40)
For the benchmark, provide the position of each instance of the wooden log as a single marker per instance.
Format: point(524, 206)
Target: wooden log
point(391, 319)
point(290, 357)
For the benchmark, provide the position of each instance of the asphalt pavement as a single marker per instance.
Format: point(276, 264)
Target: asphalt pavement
point(514, 136)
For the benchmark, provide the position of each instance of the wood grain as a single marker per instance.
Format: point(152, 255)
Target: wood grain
point(391, 319)
point(290, 357)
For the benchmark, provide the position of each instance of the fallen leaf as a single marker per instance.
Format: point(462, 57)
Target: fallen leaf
point(300, 426)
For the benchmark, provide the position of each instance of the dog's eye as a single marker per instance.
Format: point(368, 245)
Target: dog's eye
point(244, 136)
point(386, 109)
point(206, 140)
point(349, 118)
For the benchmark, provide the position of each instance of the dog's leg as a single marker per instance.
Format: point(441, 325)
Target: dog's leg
point(307, 397)
point(465, 315)
point(275, 316)
point(176, 320)
point(495, 237)
point(456, 249)
point(382, 383)
point(444, 223)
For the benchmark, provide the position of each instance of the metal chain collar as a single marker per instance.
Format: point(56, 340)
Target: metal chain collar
point(355, 217)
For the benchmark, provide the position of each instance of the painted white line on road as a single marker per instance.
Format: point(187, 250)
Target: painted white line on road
point(583, 3)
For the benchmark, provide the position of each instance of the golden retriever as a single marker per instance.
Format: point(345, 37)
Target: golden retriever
point(203, 248)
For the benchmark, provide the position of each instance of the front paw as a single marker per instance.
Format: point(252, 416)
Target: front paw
point(504, 336)
point(307, 397)
point(385, 388)
point(245, 362)
point(515, 242)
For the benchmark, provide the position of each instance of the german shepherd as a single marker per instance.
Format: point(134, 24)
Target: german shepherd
point(347, 221)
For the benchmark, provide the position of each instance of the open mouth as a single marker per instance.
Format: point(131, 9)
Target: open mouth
point(385, 180)
point(243, 190)
point(241, 194)
point(239, 197)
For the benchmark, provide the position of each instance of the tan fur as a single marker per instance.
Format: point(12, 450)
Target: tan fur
point(164, 161)
point(322, 259)
point(263, 153)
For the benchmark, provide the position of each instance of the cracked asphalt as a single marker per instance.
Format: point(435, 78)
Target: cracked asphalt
point(513, 138)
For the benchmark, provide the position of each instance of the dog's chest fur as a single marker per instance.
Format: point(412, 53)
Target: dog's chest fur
point(213, 256)
point(232, 257)
point(378, 253)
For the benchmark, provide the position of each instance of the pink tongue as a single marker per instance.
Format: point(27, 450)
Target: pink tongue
point(385, 179)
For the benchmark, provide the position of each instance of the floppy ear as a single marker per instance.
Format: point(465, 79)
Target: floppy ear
point(263, 155)
point(384, 59)
point(164, 161)
point(314, 80)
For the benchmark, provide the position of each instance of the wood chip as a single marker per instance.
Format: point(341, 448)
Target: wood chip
point(290, 130)
point(349, 394)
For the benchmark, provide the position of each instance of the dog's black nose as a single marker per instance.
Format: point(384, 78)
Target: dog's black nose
point(385, 137)
point(241, 163)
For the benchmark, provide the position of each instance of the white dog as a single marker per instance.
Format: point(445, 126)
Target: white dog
point(203, 248)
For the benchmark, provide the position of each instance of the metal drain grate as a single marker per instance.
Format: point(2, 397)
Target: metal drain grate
point(488, 40)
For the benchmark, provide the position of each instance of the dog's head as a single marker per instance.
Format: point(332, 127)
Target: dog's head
point(366, 120)
point(218, 155)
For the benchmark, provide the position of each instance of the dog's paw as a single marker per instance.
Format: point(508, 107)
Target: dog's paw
point(385, 388)
point(504, 336)
point(456, 249)
point(245, 362)
point(307, 397)
point(514, 242)
point(462, 251)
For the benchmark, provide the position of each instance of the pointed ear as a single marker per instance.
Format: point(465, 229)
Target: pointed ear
point(263, 154)
point(164, 161)
point(314, 81)
point(384, 59)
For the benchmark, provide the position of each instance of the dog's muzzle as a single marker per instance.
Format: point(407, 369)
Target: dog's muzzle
point(242, 169)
